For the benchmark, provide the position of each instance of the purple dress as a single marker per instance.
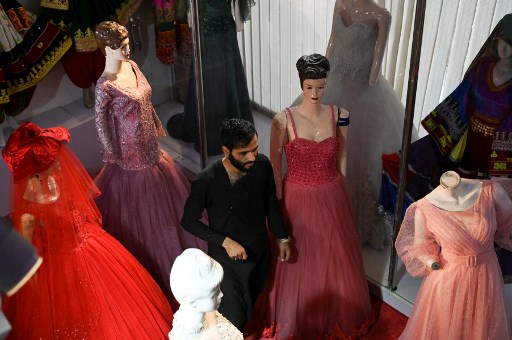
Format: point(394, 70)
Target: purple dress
point(143, 191)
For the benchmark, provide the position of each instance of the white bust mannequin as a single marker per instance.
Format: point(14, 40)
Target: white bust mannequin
point(455, 193)
point(195, 282)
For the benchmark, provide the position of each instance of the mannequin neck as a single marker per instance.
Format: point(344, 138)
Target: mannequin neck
point(189, 318)
point(113, 67)
point(459, 197)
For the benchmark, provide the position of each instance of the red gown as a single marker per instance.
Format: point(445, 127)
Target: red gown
point(323, 292)
point(89, 286)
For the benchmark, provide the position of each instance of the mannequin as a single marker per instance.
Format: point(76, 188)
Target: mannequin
point(88, 285)
point(309, 295)
point(355, 50)
point(78, 20)
point(449, 236)
point(143, 190)
point(195, 282)
point(372, 15)
point(225, 92)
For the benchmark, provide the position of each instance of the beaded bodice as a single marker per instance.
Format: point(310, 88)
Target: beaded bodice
point(312, 163)
point(216, 16)
point(354, 47)
point(126, 123)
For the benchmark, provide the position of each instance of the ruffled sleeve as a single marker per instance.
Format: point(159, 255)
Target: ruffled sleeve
point(415, 244)
point(503, 209)
point(104, 121)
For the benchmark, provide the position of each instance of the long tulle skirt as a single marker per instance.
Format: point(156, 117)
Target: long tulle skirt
point(322, 291)
point(142, 210)
point(115, 297)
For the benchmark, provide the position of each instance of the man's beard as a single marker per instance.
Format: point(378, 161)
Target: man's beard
point(238, 165)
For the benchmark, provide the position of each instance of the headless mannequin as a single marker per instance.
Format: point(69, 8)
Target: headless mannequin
point(372, 15)
point(457, 195)
point(502, 71)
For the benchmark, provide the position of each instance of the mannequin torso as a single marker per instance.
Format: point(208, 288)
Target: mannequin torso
point(372, 15)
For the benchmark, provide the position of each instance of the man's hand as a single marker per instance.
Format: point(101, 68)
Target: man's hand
point(284, 251)
point(234, 249)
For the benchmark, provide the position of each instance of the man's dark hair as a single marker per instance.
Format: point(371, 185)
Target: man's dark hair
point(236, 133)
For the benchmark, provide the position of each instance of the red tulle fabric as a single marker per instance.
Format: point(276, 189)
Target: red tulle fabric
point(463, 299)
point(89, 286)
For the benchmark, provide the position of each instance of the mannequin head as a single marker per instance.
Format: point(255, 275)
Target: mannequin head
point(112, 36)
point(314, 66)
point(195, 281)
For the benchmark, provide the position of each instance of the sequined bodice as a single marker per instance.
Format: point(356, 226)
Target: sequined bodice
point(216, 16)
point(311, 163)
point(354, 46)
point(126, 123)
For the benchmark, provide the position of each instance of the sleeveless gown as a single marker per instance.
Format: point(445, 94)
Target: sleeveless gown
point(376, 123)
point(323, 290)
point(143, 191)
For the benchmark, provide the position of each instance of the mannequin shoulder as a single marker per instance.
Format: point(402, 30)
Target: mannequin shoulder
point(280, 120)
point(383, 16)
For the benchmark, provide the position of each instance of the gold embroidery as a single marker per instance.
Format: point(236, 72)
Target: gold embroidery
point(38, 72)
point(55, 4)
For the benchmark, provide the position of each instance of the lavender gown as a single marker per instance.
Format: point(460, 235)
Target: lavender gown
point(143, 191)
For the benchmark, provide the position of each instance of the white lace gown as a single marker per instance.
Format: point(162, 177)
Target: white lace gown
point(376, 122)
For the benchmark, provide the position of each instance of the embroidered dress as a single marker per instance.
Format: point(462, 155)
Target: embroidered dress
point(143, 191)
point(29, 48)
point(376, 122)
point(464, 298)
point(322, 292)
point(484, 109)
point(224, 84)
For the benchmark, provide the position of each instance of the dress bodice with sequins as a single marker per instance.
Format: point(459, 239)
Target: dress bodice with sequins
point(354, 46)
point(126, 123)
point(312, 163)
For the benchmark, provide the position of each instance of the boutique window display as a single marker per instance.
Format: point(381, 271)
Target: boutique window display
point(143, 190)
point(195, 282)
point(88, 286)
point(223, 76)
point(448, 237)
point(309, 297)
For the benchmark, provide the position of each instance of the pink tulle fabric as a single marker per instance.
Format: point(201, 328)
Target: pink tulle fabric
point(88, 286)
point(322, 292)
point(463, 299)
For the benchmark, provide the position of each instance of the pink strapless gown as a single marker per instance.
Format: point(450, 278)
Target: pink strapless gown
point(322, 292)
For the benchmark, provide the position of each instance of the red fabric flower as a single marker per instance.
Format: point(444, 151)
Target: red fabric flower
point(31, 149)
